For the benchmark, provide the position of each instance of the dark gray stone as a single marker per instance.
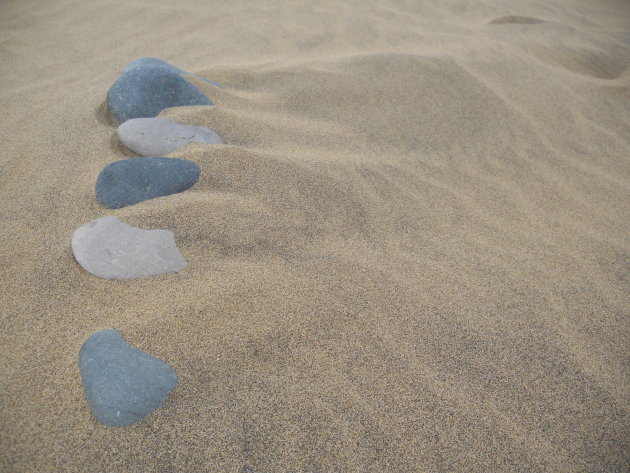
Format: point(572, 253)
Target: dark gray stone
point(130, 181)
point(122, 384)
point(144, 91)
point(153, 61)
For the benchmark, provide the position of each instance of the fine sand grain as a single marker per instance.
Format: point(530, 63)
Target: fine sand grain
point(410, 255)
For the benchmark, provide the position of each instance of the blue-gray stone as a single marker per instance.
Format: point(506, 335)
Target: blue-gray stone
point(144, 91)
point(130, 181)
point(122, 384)
point(153, 61)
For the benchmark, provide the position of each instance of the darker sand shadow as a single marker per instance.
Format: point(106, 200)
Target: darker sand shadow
point(104, 116)
point(118, 147)
point(515, 20)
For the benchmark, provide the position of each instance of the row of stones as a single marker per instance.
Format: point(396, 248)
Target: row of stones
point(123, 384)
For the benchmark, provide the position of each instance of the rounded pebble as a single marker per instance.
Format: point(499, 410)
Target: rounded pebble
point(144, 91)
point(109, 248)
point(159, 136)
point(122, 384)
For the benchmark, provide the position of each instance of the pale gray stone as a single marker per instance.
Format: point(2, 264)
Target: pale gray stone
point(122, 384)
point(159, 136)
point(112, 249)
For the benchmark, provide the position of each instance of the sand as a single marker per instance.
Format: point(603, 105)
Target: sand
point(411, 254)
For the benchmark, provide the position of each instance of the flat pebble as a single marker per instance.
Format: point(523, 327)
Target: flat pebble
point(159, 136)
point(131, 181)
point(144, 91)
point(109, 248)
point(122, 384)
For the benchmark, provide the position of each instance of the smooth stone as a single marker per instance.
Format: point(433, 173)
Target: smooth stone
point(122, 384)
point(144, 91)
point(112, 249)
point(153, 61)
point(159, 136)
point(135, 180)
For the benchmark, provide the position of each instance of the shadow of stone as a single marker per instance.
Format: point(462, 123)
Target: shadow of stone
point(121, 148)
point(515, 20)
point(104, 116)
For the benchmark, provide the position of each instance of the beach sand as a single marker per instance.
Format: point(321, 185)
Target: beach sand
point(410, 255)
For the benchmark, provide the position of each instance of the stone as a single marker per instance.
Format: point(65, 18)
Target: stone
point(135, 180)
point(144, 91)
point(153, 61)
point(109, 248)
point(159, 136)
point(122, 384)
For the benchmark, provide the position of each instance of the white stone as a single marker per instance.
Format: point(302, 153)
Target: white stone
point(159, 136)
point(111, 249)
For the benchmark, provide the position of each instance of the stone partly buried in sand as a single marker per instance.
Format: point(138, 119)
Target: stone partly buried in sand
point(159, 136)
point(146, 90)
point(122, 384)
point(153, 61)
point(130, 181)
point(112, 249)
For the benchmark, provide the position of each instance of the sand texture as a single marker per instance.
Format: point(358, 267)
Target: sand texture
point(410, 255)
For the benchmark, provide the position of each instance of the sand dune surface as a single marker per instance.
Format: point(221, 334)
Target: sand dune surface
point(411, 253)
